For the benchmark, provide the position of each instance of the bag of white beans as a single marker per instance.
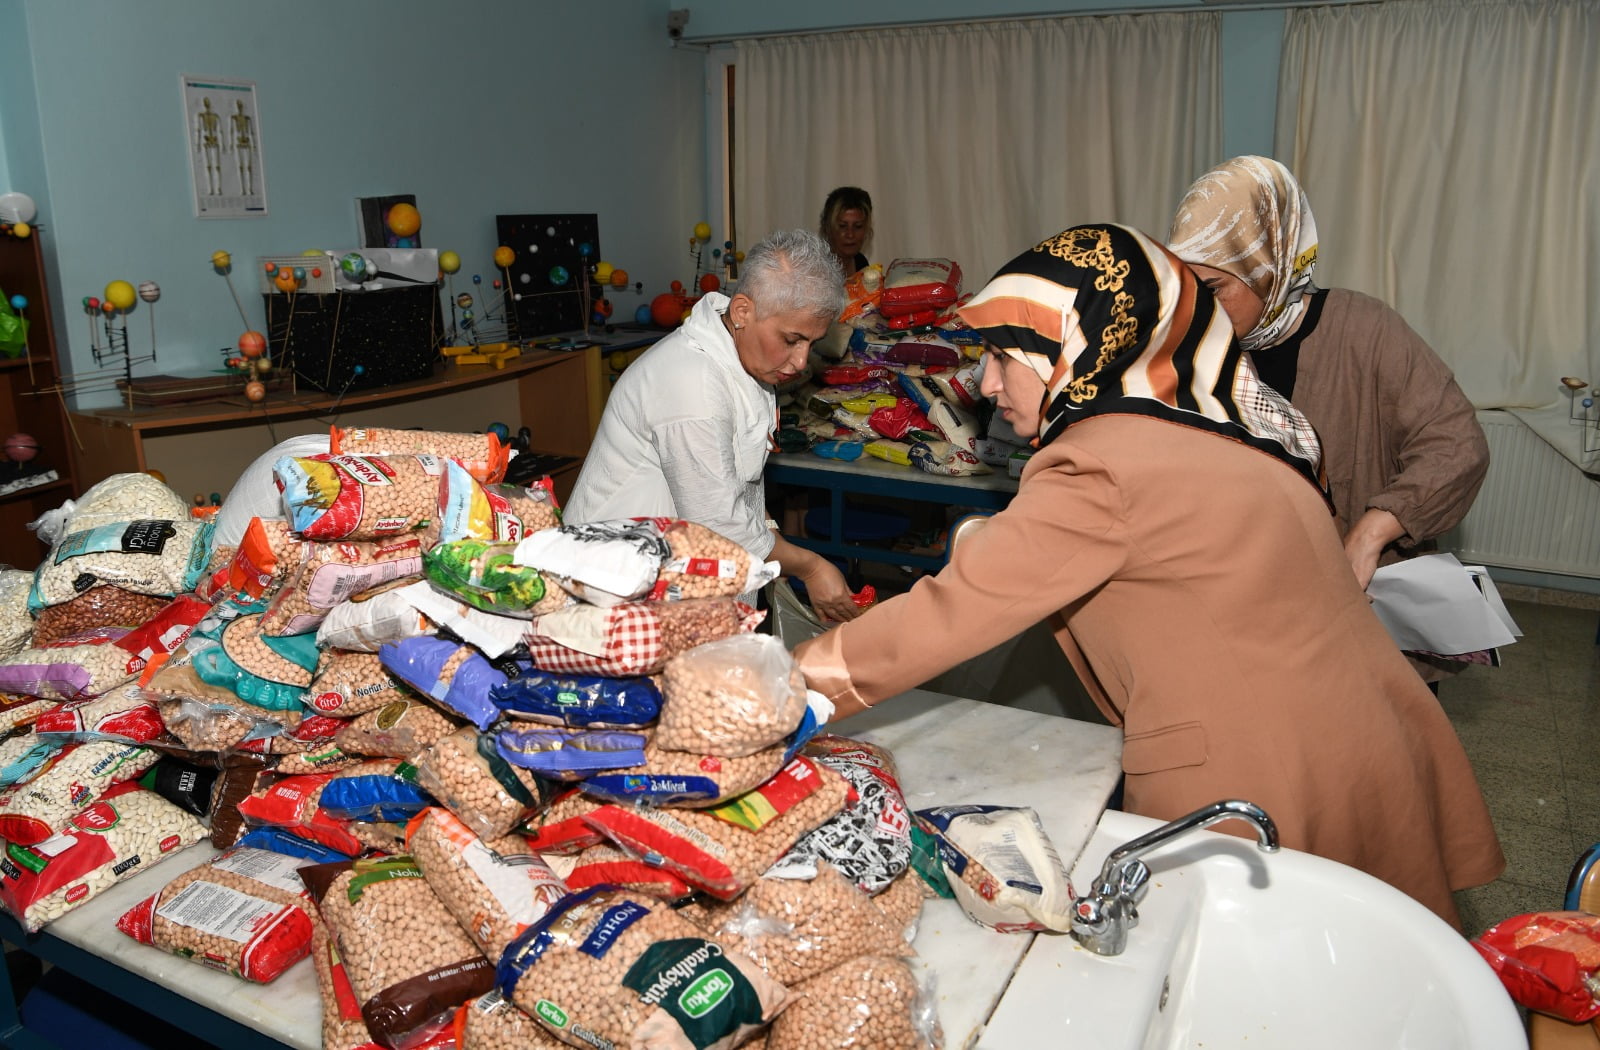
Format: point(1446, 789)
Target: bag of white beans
point(245, 913)
point(120, 497)
point(410, 965)
point(80, 666)
point(16, 626)
point(606, 969)
point(120, 834)
point(150, 556)
point(495, 888)
point(42, 806)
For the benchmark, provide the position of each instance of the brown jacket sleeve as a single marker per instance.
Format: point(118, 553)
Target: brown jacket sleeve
point(1398, 432)
point(1058, 540)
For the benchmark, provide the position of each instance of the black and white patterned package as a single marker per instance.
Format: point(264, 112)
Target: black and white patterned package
point(870, 841)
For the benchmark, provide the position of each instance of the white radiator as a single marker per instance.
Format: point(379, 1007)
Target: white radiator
point(1536, 510)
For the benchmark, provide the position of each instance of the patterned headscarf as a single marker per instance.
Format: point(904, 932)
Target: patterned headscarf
point(1115, 324)
point(1250, 218)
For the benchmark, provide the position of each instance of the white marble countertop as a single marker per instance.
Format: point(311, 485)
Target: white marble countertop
point(948, 750)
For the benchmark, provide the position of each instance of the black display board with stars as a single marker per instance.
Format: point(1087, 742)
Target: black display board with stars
point(544, 290)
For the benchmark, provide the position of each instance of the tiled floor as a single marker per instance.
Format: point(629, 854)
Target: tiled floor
point(1532, 730)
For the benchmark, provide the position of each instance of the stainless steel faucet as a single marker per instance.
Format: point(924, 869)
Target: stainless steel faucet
point(1101, 920)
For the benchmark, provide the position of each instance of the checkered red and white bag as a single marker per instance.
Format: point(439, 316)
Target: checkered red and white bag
point(634, 638)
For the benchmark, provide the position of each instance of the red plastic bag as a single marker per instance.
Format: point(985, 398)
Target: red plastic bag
point(1548, 961)
point(918, 284)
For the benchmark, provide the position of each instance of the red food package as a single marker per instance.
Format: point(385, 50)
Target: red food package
point(244, 913)
point(1548, 961)
point(849, 375)
point(918, 284)
point(900, 419)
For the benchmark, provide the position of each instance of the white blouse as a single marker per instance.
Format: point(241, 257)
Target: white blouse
point(685, 434)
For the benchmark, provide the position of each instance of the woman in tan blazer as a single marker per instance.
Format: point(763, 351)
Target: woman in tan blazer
point(1175, 526)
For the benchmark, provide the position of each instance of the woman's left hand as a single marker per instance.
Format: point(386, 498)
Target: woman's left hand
point(1366, 539)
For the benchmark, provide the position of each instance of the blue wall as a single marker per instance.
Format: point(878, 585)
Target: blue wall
point(478, 108)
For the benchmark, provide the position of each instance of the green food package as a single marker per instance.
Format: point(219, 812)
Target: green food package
point(482, 574)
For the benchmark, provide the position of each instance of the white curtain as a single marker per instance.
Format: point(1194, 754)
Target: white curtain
point(977, 141)
point(1451, 152)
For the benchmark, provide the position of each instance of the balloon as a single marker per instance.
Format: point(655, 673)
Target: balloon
point(121, 295)
point(702, 231)
point(404, 220)
point(252, 344)
point(619, 278)
point(602, 272)
point(21, 447)
point(221, 260)
point(449, 262)
point(149, 291)
point(17, 207)
point(504, 256)
point(710, 282)
point(667, 309)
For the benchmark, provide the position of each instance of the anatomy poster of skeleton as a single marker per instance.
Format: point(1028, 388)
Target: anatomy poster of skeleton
point(223, 136)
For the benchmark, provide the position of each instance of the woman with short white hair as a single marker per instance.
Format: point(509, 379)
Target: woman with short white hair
point(688, 426)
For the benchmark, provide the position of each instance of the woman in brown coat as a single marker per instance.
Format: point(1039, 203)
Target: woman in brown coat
point(1174, 525)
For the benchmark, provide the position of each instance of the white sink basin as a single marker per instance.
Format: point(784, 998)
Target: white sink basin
point(1242, 949)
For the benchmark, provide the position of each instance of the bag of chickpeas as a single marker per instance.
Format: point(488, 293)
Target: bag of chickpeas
point(410, 965)
point(611, 970)
point(468, 776)
point(731, 697)
point(469, 509)
point(607, 865)
point(795, 930)
point(867, 1003)
point(684, 778)
point(331, 573)
point(359, 497)
point(245, 913)
point(495, 888)
point(634, 638)
point(724, 849)
point(484, 456)
point(490, 1022)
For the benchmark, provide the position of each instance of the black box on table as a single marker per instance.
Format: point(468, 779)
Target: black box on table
point(393, 334)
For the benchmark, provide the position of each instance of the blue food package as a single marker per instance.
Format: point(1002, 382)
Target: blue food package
point(844, 450)
point(565, 754)
point(391, 797)
point(280, 841)
point(579, 701)
point(429, 665)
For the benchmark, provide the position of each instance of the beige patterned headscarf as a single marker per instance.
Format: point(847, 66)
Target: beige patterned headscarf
point(1249, 217)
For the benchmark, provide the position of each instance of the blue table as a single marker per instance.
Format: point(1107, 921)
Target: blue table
point(875, 477)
